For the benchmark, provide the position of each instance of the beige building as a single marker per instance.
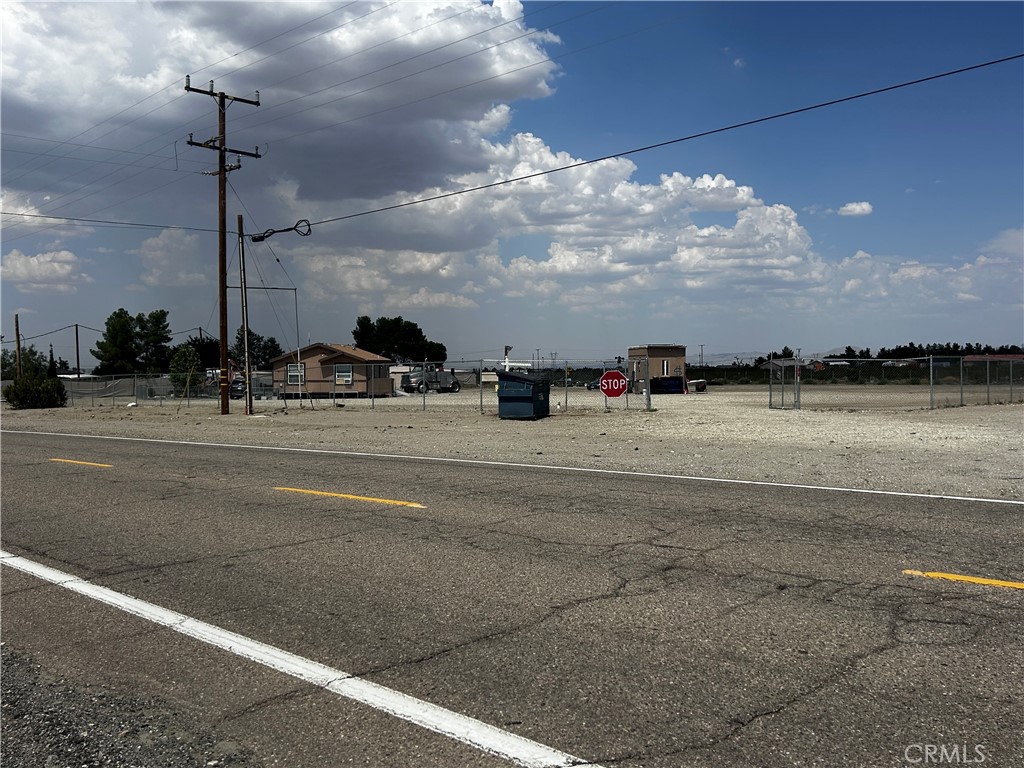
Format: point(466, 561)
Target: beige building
point(331, 370)
point(661, 367)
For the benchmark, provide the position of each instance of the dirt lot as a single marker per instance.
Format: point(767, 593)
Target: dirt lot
point(969, 451)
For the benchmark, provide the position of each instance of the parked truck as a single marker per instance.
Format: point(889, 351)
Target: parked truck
point(431, 376)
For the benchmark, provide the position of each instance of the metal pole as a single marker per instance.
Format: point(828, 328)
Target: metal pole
point(1011, 379)
point(647, 399)
point(298, 343)
point(480, 384)
point(961, 381)
point(796, 384)
point(78, 354)
point(988, 382)
point(604, 367)
point(565, 381)
point(245, 317)
point(931, 382)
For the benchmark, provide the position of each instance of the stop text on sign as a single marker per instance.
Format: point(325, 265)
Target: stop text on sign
point(613, 383)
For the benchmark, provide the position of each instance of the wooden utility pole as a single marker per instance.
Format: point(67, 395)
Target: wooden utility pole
point(17, 349)
point(219, 143)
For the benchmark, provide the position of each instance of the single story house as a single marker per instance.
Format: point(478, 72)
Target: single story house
point(331, 370)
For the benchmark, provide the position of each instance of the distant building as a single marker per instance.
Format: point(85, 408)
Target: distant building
point(660, 367)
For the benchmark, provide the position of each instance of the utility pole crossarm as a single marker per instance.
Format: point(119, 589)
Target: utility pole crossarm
point(210, 92)
point(212, 144)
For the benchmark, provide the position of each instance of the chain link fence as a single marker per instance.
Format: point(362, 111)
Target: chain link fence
point(155, 389)
point(791, 383)
point(573, 384)
point(924, 382)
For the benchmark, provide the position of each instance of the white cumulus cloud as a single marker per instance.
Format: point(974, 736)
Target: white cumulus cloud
point(856, 209)
point(56, 271)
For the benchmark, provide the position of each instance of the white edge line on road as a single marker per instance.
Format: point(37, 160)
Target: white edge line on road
point(486, 463)
point(467, 730)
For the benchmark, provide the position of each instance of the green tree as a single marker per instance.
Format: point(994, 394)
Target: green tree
point(186, 370)
point(153, 335)
point(261, 350)
point(207, 347)
point(118, 350)
point(33, 363)
point(398, 339)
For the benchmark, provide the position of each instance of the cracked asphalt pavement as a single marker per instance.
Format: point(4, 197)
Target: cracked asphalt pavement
point(628, 620)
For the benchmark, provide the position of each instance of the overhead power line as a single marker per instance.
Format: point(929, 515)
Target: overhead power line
point(692, 136)
point(176, 159)
point(104, 222)
point(581, 163)
point(422, 54)
point(169, 85)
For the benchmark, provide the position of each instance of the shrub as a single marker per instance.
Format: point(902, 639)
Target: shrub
point(33, 392)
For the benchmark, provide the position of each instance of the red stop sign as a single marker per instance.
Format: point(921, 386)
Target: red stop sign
point(613, 383)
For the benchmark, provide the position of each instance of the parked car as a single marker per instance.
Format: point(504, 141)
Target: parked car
point(595, 384)
point(237, 389)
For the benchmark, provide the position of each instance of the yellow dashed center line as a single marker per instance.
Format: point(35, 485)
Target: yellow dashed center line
point(394, 502)
point(968, 579)
point(83, 463)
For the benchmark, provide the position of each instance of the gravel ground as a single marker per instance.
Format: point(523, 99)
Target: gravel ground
point(971, 451)
point(52, 724)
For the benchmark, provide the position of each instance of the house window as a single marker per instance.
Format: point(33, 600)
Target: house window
point(343, 373)
point(296, 373)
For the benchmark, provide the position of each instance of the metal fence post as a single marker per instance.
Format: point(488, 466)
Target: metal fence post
point(931, 382)
point(626, 394)
point(647, 397)
point(565, 382)
point(423, 385)
point(988, 382)
point(1011, 379)
point(961, 381)
point(796, 384)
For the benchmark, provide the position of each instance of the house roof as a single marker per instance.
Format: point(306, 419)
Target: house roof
point(341, 351)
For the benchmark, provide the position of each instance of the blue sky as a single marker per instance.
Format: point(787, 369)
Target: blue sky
point(885, 220)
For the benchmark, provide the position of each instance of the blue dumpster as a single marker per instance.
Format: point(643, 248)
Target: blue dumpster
point(523, 395)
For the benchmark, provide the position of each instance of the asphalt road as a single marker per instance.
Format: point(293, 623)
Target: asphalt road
point(612, 618)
